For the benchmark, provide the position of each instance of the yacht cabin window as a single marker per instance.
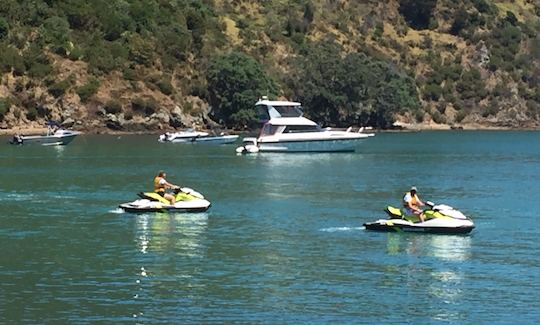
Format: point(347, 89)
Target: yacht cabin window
point(269, 129)
point(301, 128)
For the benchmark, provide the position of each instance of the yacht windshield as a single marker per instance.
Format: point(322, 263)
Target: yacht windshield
point(265, 113)
point(289, 111)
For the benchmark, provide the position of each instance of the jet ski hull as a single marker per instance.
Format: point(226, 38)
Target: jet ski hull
point(385, 225)
point(135, 209)
point(187, 200)
point(141, 206)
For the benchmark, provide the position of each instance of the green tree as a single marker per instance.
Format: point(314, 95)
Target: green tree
point(355, 89)
point(235, 81)
point(56, 31)
point(10, 59)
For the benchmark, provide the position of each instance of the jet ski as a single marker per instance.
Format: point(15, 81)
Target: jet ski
point(439, 219)
point(187, 200)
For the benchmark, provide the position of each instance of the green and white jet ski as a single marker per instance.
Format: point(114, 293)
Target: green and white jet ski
point(187, 200)
point(439, 219)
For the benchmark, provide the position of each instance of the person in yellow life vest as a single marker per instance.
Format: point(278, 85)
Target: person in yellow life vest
point(411, 203)
point(161, 184)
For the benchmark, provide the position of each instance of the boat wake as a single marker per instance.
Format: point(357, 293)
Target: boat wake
point(336, 229)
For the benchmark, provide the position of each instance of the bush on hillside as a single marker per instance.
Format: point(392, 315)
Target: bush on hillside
point(146, 106)
point(165, 86)
point(88, 90)
point(432, 92)
point(113, 106)
point(31, 113)
point(59, 88)
point(471, 85)
point(11, 60)
point(4, 107)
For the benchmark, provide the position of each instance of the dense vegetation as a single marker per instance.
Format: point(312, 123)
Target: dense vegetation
point(348, 62)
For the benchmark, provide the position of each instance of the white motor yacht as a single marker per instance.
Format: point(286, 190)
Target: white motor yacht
point(286, 130)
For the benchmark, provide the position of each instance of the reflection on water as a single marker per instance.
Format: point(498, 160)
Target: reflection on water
point(280, 160)
point(443, 247)
point(450, 248)
point(443, 277)
point(163, 232)
point(158, 237)
point(59, 150)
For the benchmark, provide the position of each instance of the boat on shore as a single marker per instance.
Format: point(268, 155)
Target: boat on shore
point(286, 130)
point(192, 136)
point(55, 136)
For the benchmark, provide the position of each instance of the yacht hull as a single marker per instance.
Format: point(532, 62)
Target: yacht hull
point(330, 145)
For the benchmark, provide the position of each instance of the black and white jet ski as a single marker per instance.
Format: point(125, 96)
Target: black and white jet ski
point(440, 219)
point(187, 200)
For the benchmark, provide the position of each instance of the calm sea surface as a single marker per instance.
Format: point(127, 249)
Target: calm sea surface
point(283, 242)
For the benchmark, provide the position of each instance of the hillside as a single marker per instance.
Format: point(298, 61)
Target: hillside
point(147, 65)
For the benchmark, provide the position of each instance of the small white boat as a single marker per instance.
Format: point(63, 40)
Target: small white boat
point(286, 130)
point(54, 137)
point(197, 137)
point(249, 145)
point(182, 136)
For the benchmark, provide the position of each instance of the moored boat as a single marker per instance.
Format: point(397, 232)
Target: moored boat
point(181, 136)
point(286, 130)
point(55, 136)
point(192, 136)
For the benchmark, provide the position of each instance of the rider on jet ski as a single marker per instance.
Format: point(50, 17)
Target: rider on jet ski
point(160, 184)
point(411, 203)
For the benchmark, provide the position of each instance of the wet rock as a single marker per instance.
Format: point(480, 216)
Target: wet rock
point(115, 122)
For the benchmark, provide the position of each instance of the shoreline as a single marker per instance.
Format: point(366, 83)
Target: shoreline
point(402, 129)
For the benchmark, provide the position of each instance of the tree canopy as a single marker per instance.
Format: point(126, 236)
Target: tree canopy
point(235, 82)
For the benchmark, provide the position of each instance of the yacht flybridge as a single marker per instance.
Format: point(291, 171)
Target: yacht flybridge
point(286, 130)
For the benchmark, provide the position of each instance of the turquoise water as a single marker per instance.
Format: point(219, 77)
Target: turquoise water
point(283, 242)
